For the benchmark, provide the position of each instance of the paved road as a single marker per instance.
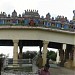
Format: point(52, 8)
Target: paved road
point(61, 71)
point(56, 70)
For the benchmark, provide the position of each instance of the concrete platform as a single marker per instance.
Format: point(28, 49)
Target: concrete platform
point(54, 70)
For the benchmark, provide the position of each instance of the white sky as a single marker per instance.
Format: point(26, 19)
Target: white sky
point(54, 7)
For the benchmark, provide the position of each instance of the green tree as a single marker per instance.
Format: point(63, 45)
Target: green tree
point(29, 54)
point(51, 55)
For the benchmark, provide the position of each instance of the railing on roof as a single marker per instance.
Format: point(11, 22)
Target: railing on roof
point(46, 24)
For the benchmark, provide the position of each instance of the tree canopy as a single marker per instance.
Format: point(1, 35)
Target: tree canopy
point(29, 54)
point(51, 55)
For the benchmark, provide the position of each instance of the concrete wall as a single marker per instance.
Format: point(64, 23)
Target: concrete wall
point(36, 33)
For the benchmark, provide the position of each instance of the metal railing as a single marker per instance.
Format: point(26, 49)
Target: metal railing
point(20, 61)
point(34, 60)
point(19, 68)
point(17, 63)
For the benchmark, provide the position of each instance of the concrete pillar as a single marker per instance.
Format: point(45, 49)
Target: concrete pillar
point(40, 50)
point(58, 57)
point(74, 57)
point(20, 49)
point(64, 48)
point(44, 52)
point(68, 63)
point(20, 56)
point(20, 53)
point(62, 54)
point(15, 52)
